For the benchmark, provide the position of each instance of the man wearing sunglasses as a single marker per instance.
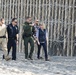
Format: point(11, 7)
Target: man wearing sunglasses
point(12, 30)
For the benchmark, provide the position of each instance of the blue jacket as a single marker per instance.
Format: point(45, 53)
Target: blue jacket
point(41, 35)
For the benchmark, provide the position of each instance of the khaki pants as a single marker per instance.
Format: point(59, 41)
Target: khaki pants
point(3, 45)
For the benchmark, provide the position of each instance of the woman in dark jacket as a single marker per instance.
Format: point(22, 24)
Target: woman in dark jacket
point(41, 35)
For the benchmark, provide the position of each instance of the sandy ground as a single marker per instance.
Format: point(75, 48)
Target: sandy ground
point(56, 66)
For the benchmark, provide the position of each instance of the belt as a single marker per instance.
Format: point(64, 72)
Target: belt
point(2, 36)
point(27, 35)
point(12, 38)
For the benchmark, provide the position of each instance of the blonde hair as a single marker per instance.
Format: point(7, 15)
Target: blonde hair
point(44, 26)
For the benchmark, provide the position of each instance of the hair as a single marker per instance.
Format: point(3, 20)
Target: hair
point(27, 17)
point(1, 19)
point(14, 19)
point(42, 24)
point(37, 20)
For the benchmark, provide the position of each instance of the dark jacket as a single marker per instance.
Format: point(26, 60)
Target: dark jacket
point(42, 35)
point(12, 31)
point(28, 30)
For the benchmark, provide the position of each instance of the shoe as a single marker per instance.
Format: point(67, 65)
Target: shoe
point(40, 57)
point(7, 58)
point(14, 59)
point(3, 57)
point(26, 58)
point(47, 60)
point(30, 58)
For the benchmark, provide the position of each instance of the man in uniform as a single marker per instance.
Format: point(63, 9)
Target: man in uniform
point(12, 30)
point(28, 31)
point(3, 40)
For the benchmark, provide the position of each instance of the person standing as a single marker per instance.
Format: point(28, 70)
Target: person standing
point(42, 37)
point(12, 30)
point(28, 31)
point(3, 40)
point(36, 25)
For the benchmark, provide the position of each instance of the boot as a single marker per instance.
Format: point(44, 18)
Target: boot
point(3, 57)
point(7, 58)
point(47, 59)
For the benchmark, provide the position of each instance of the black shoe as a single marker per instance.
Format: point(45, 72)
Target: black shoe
point(3, 57)
point(30, 58)
point(40, 57)
point(47, 60)
point(13, 58)
point(26, 58)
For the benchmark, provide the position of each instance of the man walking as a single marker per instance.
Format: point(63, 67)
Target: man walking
point(3, 40)
point(12, 31)
point(28, 31)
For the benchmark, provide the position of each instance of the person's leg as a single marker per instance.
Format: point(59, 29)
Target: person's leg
point(1, 47)
point(9, 45)
point(26, 46)
point(45, 50)
point(14, 50)
point(4, 47)
point(38, 53)
point(0, 43)
point(32, 47)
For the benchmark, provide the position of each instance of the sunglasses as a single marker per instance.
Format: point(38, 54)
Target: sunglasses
point(15, 21)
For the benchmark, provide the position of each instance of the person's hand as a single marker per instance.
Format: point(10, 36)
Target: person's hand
point(31, 24)
point(17, 41)
point(38, 43)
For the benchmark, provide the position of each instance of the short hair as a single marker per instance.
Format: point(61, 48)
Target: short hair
point(14, 19)
point(37, 20)
point(1, 19)
point(40, 24)
point(27, 17)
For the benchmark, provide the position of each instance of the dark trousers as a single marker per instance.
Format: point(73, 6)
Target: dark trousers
point(26, 41)
point(12, 43)
point(44, 48)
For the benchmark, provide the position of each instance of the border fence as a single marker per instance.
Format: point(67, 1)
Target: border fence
point(59, 17)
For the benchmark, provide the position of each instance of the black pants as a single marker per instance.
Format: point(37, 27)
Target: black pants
point(45, 50)
point(12, 43)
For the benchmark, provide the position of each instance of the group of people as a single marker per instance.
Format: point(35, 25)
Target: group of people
point(8, 38)
point(31, 31)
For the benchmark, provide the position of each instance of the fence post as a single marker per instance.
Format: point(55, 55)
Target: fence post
point(0, 8)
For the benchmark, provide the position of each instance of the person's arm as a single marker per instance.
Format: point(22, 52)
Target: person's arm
point(37, 36)
point(7, 31)
point(6, 34)
point(47, 37)
point(17, 34)
point(33, 30)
